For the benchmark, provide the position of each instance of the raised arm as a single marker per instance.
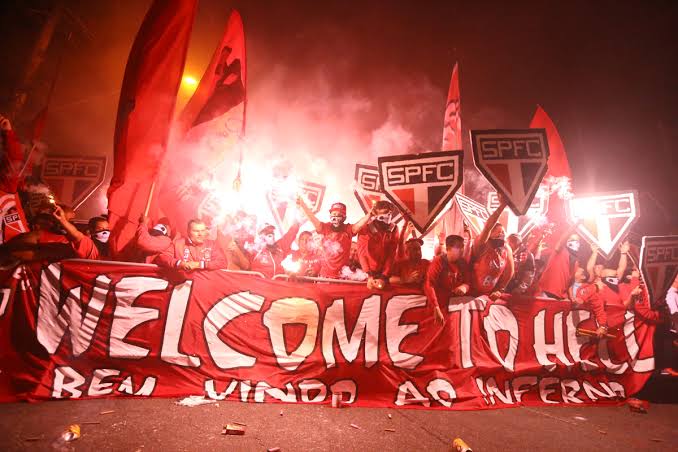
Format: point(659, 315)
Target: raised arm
point(317, 224)
point(72, 232)
point(361, 223)
point(623, 259)
point(590, 265)
point(491, 221)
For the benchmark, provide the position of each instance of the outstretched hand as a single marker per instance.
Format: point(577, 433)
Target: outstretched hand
point(5, 124)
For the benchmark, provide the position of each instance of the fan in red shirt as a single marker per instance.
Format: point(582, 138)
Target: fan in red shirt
point(268, 259)
point(561, 265)
point(378, 245)
point(308, 259)
point(606, 292)
point(447, 275)
point(492, 258)
point(412, 269)
point(193, 252)
point(337, 235)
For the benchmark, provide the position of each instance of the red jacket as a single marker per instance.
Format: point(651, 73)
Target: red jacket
point(310, 263)
point(183, 250)
point(443, 277)
point(558, 273)
point(377, 249)
point(147, 246)
point(269, 259)
point(488, 268)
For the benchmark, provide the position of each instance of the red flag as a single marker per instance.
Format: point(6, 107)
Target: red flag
point(558, 176)
point(453, 221)
point(558, 166)
point(207, 132)
point(147, 98)
point(452, 126)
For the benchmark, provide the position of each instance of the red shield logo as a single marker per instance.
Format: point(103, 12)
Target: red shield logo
point(513, 161)
point(367, 188)
point(523, 224)
point(283, 207)
point(421, 185)
point(659, 264)
point(73, 179)
point(605, 218)
point(475, 214)
point(12, 216)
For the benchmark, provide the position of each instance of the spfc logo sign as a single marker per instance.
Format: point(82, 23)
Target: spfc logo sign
point(283, 208)
point(421, 185)
point(513, 161)
point(523, 224)
point(475, 214)
point(73, 179)
point(367, 188)
point(605, 218)
point(659, 264)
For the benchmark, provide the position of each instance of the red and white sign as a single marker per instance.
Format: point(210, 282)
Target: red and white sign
point(605, 218)
point(523, 224)
point(81, 329)
point(475, 214)
point(367, 188)
point(659, 264)
point(513, 161)
point(73, 179)
point(422, 185)
point(12, 217)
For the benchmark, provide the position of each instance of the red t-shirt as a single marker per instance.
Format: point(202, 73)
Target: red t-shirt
point(405, 268)
point(558, 274)
point(488, 268)
point(377, 249)
point(336, 249)
point(442, 277)
point(310, 263)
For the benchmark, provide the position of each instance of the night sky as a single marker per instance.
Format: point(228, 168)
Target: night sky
point(604, 71)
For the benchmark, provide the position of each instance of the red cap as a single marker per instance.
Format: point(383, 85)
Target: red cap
point(338, 206)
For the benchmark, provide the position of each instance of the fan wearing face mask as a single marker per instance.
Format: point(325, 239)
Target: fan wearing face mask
point(594, 269)
point(94, 246)
point(561, 265)
point(268, 259)
point(336, 237)
point(605, 293)
point(150, 240)
point(378, 245)
point(492, 258)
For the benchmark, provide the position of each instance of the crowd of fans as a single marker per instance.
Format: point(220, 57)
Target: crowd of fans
point(373, 249)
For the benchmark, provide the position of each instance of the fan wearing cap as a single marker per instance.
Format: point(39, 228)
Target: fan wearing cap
point(150, 242)
point(193, 252)
point(378, 244)
point(336, 237)
point(268, 259)
point(492, 259)
point(448, 275)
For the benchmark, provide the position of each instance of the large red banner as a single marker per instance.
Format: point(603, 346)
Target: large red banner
point(83, 329)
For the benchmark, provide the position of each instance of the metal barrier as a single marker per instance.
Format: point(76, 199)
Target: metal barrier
point(123, 263)
point(317, 279)
point(245, 272)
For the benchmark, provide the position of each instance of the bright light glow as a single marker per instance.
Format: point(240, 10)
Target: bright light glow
point(189, 81)
point(290, 265)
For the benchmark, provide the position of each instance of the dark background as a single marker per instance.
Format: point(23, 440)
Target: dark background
point(604, 71)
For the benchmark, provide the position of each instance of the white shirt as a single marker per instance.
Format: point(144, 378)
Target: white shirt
point(672, 300)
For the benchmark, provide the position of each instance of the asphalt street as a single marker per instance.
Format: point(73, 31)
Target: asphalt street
point(161, 425)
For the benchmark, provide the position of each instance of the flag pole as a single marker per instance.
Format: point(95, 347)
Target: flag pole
point(150, 199)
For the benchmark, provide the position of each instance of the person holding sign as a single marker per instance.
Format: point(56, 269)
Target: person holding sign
point(492, 259)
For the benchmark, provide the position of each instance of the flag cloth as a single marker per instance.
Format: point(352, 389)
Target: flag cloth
point(558, 165)
point(205, 137)
point(147, 98)
point(453, 222)
point(558, 175)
